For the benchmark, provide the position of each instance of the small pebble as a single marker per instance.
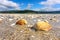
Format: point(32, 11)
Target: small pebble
point(10, 19)
point(29, 25)
point(21, 31)
point(2, 17)
point(12, 24)
point(39, 20)
point(34, 20)
point(33, 36)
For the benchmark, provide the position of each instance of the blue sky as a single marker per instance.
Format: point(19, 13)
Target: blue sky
point(33, 3)
point(37, 5)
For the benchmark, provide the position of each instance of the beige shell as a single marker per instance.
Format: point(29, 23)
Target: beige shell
point(21, 22)
point(43, 26)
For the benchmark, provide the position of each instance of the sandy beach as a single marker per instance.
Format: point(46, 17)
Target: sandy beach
point(10, 31)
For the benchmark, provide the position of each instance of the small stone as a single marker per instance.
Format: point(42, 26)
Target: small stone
point(32, 16)
point(39, 20)
point(10, 19)
point(12, 24)
point(21, 31)
point(32, 36)
point(54, 16)
point(57, 21)
point(29, 25)
point(2, 17)
point(34, 20)
point(21, 17)
point(54, 19)
point(46, 21)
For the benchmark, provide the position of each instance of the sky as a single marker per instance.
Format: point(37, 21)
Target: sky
point(36, 5)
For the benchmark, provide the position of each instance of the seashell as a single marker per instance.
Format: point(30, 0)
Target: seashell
point(21, 22)
point(41, 25)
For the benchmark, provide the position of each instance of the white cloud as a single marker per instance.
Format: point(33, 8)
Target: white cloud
point(4, 4)
point(29, 6)
point(49, 9)
point(48, 5)
point(50, 2)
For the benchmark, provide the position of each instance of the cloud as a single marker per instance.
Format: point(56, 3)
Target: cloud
point(29, 6)
point(51, 2)
point(49, 9)
point(6, 4)
point(49, 5)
